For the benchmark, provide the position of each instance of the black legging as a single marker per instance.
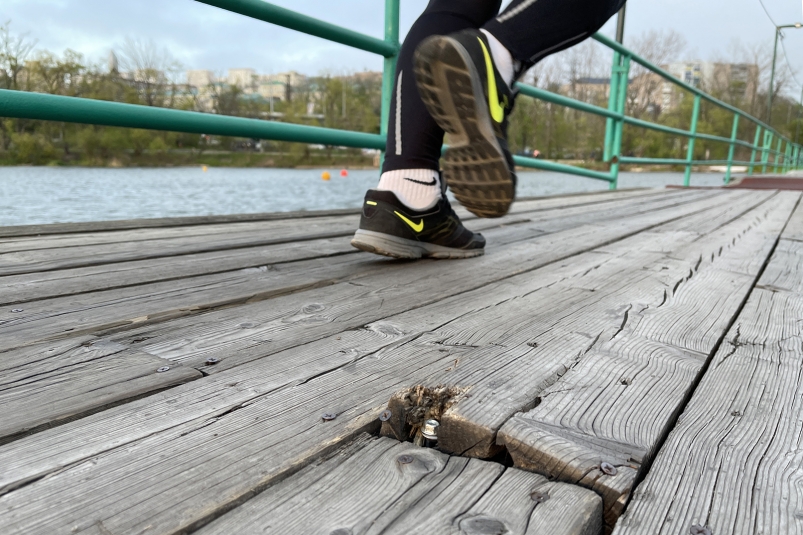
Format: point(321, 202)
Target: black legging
point(529, 29)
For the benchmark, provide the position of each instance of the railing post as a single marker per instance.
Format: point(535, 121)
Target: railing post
point(613, 92)
point(786, 158)
point(734, 131)
point(777, 156)
point(765, 156)
point(695, 114)
point(389, 70)
point(756, 139)
point(623, 71)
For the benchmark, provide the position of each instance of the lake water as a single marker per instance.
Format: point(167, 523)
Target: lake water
point(33, 195)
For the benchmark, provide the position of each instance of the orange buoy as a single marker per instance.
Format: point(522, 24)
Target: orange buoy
point(205, 168)
point(343, 172)
point(325, 175)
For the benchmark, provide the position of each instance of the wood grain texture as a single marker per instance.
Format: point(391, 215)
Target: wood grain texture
point(392, 289)
point(624, 275)
point(66, 282)
point(733, 461)
point(254, 425)
point(130, 224)
point(178, 237)
point(130, 306)
point(48, 384)
point(617, 402)
point(157, 222)
point(42, 285)
point(365, 489)
point(45, 256)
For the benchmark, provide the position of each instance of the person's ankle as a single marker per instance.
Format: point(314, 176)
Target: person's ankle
point(418, 189)
point(503, 60)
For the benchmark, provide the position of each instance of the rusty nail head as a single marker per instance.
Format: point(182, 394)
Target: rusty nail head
point(212, 360)
point(16, 310)
point(163, 369)
point(608, 468)
point(538, 496)
point(405, 459)
point(385, 415)
point(328, 416)
point(699, 530)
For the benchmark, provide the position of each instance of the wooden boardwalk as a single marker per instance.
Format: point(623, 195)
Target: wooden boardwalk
point(626, 361)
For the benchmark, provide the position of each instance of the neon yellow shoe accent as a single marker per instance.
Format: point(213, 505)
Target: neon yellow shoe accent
point(416, 227)
point(497, 111)
point(372, 203)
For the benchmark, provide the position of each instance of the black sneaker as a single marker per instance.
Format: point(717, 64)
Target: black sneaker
point(467, 97)
point(389, 228)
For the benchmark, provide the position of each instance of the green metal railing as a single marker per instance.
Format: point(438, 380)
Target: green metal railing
point(25, 105)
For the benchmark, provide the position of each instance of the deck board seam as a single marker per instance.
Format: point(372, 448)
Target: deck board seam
point(644, 468)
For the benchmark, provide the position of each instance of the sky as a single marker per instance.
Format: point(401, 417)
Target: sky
point(203, 37)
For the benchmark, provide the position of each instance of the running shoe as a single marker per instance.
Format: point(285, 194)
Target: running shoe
point(467, 97)
point(389, 228)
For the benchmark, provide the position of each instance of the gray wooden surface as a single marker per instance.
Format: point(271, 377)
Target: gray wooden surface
point(371, 488)
point(732, 463)
point(46, 384)
point(583, 308)
point(621, 396)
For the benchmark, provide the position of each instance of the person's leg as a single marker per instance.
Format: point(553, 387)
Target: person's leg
point(407, 215)
point(532, 30)
point(466, 79)
point(414, 139)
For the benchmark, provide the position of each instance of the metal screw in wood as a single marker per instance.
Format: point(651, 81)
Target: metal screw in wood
point(430, 429)
point(163, 369)
point(539, 497)
point(405, 459)
point(212, 360)
point(328, 416)
point(608, 468)
point(385, 415)
point(15, 310)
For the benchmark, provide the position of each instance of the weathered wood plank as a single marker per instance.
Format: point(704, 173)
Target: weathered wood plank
point(282, 323)
point(282, 231)
point(49, 284)
point(49, 229)
point(616, 404)
point(60, 244)
point(41, 285)
point(366, 489)
point(249, 441)
point(126, 307)
point(732, 463)
point(167, 222)
point(221, 396)
point(49, 384)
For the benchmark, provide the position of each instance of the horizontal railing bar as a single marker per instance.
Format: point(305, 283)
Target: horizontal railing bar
point(26, 105)
point(677, 161)
point(610, 43)
point(561, 100)
point(656, 126)
point(257, 9)
point(523, 161)
point(548, 96)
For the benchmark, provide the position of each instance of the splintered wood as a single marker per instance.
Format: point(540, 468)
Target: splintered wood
point(232, 375)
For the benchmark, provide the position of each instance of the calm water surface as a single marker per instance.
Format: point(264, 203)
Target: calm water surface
point(32, 195)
